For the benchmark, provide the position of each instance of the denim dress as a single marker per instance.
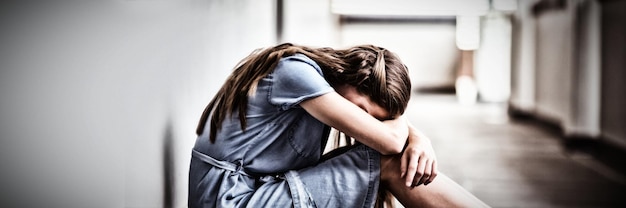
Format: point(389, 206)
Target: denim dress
point(277, 161)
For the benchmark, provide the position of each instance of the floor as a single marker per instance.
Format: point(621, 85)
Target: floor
point(516, 162)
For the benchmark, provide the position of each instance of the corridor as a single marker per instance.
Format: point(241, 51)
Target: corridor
point(99, 100)
point(514, 162)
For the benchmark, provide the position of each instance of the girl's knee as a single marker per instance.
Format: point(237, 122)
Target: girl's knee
point(389, 168)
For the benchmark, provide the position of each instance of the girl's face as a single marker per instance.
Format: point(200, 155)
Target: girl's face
point(363, 101)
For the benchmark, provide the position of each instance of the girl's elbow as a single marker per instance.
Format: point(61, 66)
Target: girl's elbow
point(398, 148)
point(395, 147)
point(391, 151)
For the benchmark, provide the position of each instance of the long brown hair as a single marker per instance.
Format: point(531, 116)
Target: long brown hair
point(374, 71)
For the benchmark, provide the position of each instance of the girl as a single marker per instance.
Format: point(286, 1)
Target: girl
point(261, 138)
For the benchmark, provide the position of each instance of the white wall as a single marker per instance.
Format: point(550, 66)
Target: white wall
point(93, 94)
point(554, 56)
point(557, 66)
point(428, 49)
point(613, 97)
point(310, 23)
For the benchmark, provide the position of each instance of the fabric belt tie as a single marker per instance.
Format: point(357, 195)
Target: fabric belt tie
point(299, 194)
point(219, 163)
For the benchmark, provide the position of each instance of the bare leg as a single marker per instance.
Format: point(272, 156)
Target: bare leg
point(442, 192)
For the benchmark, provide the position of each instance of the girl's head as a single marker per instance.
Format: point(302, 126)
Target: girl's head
point(376, 73)
point(373, 71)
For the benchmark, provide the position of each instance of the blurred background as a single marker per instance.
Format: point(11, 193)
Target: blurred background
point(524, 100)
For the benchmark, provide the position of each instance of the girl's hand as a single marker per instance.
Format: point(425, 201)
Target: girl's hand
point(418, 163)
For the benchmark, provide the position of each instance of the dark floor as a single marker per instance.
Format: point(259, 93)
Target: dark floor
point(517, 163)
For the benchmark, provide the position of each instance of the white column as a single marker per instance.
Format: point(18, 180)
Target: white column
point(586, 110)
point(523, 85)
point(492, 60)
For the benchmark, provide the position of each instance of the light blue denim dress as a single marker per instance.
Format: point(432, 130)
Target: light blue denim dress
point(277, 161)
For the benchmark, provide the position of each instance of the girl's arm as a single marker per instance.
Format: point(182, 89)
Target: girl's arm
point(387, 137)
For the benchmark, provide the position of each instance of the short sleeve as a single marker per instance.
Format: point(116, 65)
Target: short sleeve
point(295, 79)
